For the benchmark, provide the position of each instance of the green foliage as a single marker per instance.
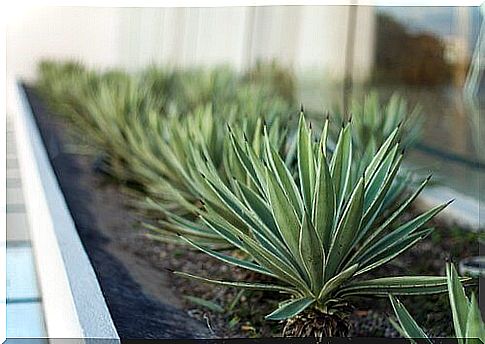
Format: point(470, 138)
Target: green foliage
point(205, 303)
point(209, 155)
point(313, 232)
point(373, 122)
point(146, 124)
point(62, 73)
point(279, 79)
point(467, 320)
point(62, 85)
point(190, 144)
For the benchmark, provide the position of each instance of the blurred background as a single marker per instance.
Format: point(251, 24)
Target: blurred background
point(333, 54)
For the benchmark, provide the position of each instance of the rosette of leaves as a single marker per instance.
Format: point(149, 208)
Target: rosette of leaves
point(170, 167)
point(312, 232)
point(141, 130)
point(467, 320)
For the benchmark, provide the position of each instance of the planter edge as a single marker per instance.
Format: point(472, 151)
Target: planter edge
point(73, 303)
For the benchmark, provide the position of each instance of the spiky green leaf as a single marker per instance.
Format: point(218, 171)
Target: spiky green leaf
point(290, 309)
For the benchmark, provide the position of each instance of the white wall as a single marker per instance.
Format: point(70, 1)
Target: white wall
point(307, 38)
point(88, 34)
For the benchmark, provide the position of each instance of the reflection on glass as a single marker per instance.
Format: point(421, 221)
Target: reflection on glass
point(425, 53)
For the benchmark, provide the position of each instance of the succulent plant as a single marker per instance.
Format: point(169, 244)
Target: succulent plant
point(280, 79)
point(467, 320)
point(312, 232)
point(198, 137)
point(373, 122)
point(49, 71)
point(62, 84)
point(210, 155)
point(142, 124)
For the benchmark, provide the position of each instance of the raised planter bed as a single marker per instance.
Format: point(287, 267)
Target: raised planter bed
point(146, 301)
point(73, 304)
point(69, 283)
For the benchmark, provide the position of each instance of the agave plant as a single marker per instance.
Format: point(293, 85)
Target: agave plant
point(107, 112)
point(187, 90)
point(50, 71)
point(281, 80)
point(142, 123)
point(62, 85)
point(373, 123)
point(170, 166)
point(467, 319)
point(312, 232)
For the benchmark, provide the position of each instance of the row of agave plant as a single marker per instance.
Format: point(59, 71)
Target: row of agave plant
point(216, 160)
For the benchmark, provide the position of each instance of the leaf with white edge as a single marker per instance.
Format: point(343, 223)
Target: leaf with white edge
point(378, 158)
point(400, 285)
point(458, 302)
point(393, 251)
point(346, 230)
point(475, 327)
point(324, 138)
point(397, 326)
point(337, 281)
point(378, 179)
point(402, 231)
point(290, 309)
point(311, 253)
point(340, 165)
point(374, 208)
point(408, 324)
point(284, 214)
point(284, 177)
point(375, 233)
point(245, 160)
point(274, 263)
point(323, 212)
point(306, 163)
point(260, 208)
point(244, 285)
point(230, 259)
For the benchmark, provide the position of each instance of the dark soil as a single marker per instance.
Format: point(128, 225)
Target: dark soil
point(147, 301)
